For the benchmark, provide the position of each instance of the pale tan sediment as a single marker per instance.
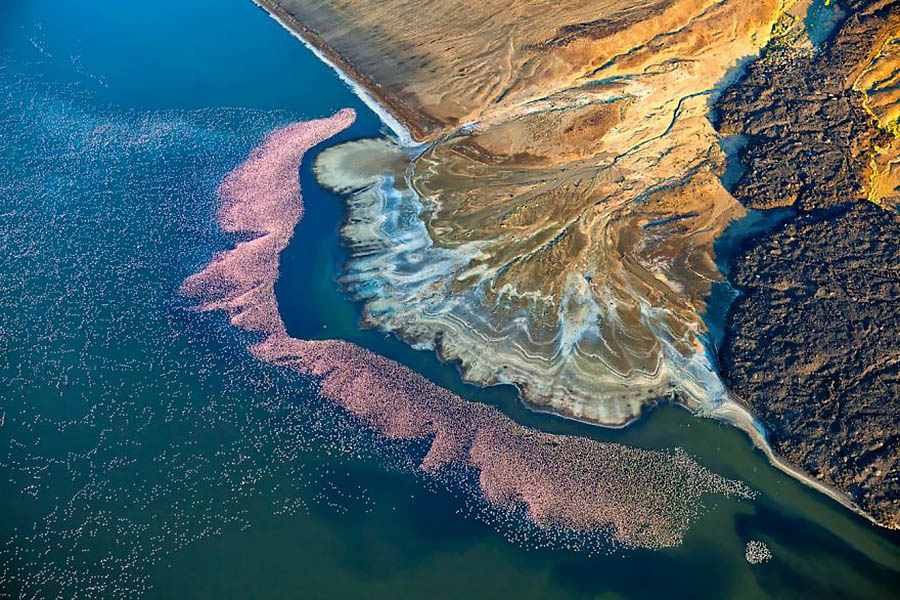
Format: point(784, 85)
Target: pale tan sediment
point(570, 197)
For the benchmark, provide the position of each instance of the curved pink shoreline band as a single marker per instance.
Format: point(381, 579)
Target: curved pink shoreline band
point(640, 498)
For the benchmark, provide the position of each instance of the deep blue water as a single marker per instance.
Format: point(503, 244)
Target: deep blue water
point(142, 452)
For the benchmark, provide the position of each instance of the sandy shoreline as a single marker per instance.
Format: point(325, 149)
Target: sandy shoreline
point(738, 416)
point(397, 118)
point(404, 125)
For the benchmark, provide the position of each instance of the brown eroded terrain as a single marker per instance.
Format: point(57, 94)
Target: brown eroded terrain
point(878, 79)
point(556, 232)
point(814, 349)
point(820, 120)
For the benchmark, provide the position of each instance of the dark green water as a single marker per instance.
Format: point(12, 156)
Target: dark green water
point(143, 452)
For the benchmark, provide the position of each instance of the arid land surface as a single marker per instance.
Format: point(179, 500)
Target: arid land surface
point(569, 190)
point(555, 228)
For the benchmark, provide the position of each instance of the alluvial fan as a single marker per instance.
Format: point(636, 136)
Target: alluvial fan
point(638, 497)
point(555, 233)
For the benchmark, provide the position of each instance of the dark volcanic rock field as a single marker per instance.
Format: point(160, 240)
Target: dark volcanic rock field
point(813, 344)
point(814, 349)
point(810, 137)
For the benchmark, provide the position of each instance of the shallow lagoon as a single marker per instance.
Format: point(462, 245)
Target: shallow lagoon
point(143, 450)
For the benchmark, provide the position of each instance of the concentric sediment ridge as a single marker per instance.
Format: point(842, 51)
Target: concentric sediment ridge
point(640, 498)
point(555, 231)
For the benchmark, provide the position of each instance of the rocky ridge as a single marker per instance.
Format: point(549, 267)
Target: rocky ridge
point(813, 343)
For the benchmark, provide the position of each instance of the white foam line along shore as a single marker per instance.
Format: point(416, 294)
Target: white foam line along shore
point(402, 134)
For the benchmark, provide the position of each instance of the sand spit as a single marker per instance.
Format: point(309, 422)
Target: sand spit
point(639, 498)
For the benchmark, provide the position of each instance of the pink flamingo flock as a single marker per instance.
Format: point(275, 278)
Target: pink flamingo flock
point(634, 497)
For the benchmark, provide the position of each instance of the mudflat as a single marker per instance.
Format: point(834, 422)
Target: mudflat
point(557, 230)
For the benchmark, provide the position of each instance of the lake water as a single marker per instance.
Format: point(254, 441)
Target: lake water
point(143, 452)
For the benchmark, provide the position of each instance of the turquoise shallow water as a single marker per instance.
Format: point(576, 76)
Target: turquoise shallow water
point(143, 452)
